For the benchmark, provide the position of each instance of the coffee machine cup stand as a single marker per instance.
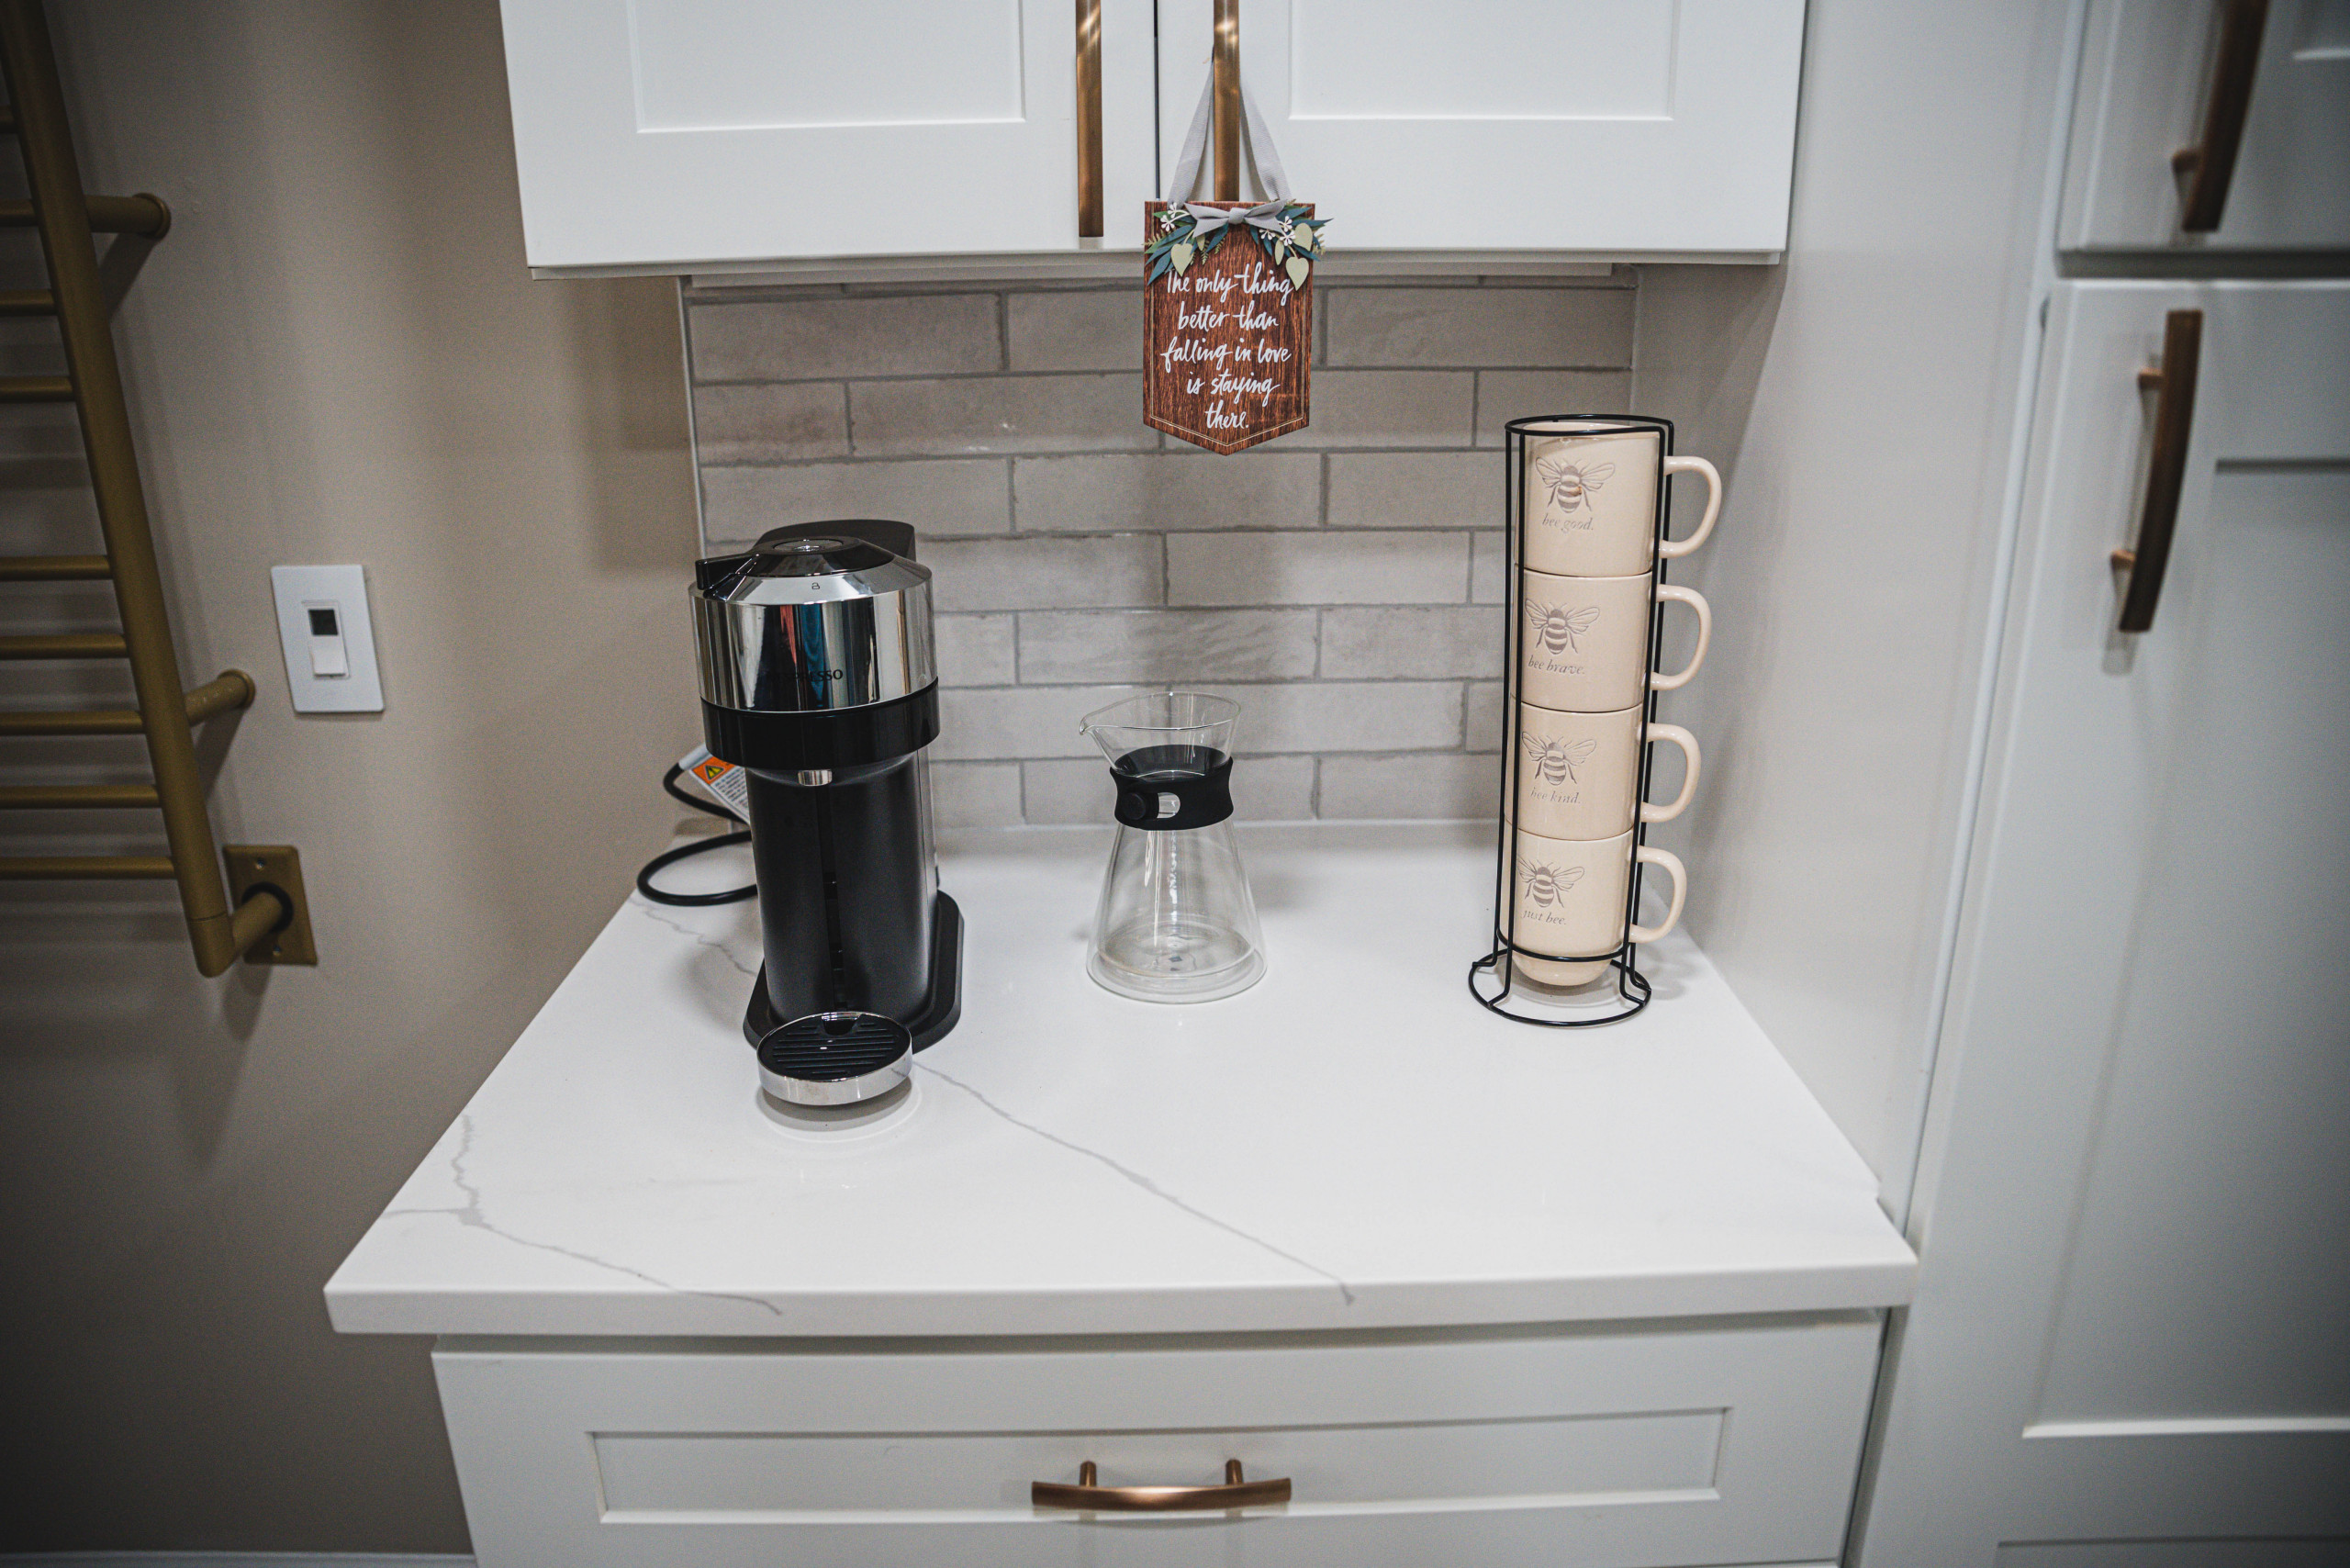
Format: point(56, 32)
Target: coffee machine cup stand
point(819, 680)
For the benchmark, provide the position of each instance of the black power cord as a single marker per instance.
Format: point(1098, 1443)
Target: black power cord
point(668, 857)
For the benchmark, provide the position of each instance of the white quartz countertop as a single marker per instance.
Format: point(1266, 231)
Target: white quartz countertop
point(1351, 1144)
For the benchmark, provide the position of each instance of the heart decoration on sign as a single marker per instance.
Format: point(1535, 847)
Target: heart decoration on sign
point(1228, 303)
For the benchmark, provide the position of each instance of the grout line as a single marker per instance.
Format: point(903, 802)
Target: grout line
point(1003, 331)
point(1396, 368)
point(1322, 509)
point(849, 421)
point(1010, 497)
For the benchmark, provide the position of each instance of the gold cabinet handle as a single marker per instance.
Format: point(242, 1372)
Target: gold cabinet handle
point(2212, 161)
point(1088, 119)
point(1235, 1493)
point(2166, 471)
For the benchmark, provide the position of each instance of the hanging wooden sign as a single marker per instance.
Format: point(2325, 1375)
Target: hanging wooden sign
point(1229, 319)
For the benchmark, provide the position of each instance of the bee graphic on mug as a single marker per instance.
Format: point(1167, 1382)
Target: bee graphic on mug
point(1546, 885)
point(1571, 486)
point(1556, 761)
point(1558, 629)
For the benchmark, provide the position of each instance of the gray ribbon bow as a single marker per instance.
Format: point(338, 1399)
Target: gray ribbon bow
point(1208, 219)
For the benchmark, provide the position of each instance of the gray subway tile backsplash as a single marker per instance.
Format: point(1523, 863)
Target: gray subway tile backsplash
point(1564, 328)
point(975, 794)
point(1170, 491)
point(1190, 648)
point(977, 650)
point(1343, 583)
point(1411, 642)
point(803, 339)
point(998, 413)
point(1119, 571)
point(774, 421)
point(1506, 394)
point(1484, 726)
point(1387, 408)
point(951, 498)
point(1446, 784)
point(1488, 567)
point(1415, 489)
point(1324, 567)
point(1013, 722)
point(1325, 716)
point(1093, 330)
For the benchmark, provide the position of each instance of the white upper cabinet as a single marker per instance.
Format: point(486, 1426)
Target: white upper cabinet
point(715, 135)
point(1643, 127)
point(2152, 75)
point(683, 135)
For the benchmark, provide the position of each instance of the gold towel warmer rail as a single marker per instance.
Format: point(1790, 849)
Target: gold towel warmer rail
point(269, 922)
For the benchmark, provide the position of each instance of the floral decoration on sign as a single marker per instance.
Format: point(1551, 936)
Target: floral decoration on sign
point(1291, 240)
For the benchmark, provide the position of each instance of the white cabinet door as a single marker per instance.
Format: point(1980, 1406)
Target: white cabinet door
point(2147, 77)
point(685, 134)
point(1656, 126)
point(2131, 1324)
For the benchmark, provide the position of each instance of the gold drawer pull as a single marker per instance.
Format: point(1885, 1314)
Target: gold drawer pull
point(1235, 1493)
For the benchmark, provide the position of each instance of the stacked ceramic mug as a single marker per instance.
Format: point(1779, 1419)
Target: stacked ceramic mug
point(1583, 593)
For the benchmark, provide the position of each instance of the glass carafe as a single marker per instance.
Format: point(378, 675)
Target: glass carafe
point(1175, 922)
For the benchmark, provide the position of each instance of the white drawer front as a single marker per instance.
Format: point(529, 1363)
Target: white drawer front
point(1652, 1446)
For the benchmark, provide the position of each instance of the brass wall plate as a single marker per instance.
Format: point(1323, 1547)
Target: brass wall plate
point(278, 865)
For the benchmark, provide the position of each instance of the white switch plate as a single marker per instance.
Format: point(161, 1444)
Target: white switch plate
point(323, 626)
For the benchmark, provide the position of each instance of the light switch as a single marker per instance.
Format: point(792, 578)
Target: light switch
point(329, 639)
point(329, 660)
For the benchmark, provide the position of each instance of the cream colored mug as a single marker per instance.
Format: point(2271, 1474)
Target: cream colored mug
point(1591, 497)
point(1578, 774)
point(1569, 897)
point(1583, 642)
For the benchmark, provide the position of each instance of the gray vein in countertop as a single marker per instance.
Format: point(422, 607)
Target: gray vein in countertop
point(471, 1216)
point(1145, 1183)
point(717, 943)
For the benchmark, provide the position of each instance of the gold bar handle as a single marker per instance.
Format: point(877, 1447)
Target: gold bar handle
point(2166, 471)
point(1227, 100)
point(2212, 161)
point(1237, 1492)
point(1088, 119)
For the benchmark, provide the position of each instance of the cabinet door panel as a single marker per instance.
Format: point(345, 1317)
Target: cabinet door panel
point(1635, 1447)
point(673, 134)
point(1645, 125)
point(2145, 73)
point(2137, 1241)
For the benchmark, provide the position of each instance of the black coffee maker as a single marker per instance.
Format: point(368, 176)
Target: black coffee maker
point(819, 680)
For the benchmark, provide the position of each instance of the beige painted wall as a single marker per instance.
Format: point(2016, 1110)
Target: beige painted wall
point(1861, 400)
point(335, 356)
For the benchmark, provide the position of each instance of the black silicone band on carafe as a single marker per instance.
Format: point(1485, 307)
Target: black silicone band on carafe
point(1199, 777)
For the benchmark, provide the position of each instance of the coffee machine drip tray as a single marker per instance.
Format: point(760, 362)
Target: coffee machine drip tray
point(842, 1057)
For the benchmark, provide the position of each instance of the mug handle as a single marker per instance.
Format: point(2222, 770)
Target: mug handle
point(1671, 863)
point(1674, 549)
point(1696, 601)
point(1649, 810)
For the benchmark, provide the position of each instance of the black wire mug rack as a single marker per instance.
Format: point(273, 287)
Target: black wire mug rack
point(1500, 995)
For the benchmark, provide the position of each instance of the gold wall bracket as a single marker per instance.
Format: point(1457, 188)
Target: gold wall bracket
point(267, 869)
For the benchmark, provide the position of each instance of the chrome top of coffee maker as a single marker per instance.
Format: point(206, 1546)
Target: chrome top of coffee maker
point(810, 624)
